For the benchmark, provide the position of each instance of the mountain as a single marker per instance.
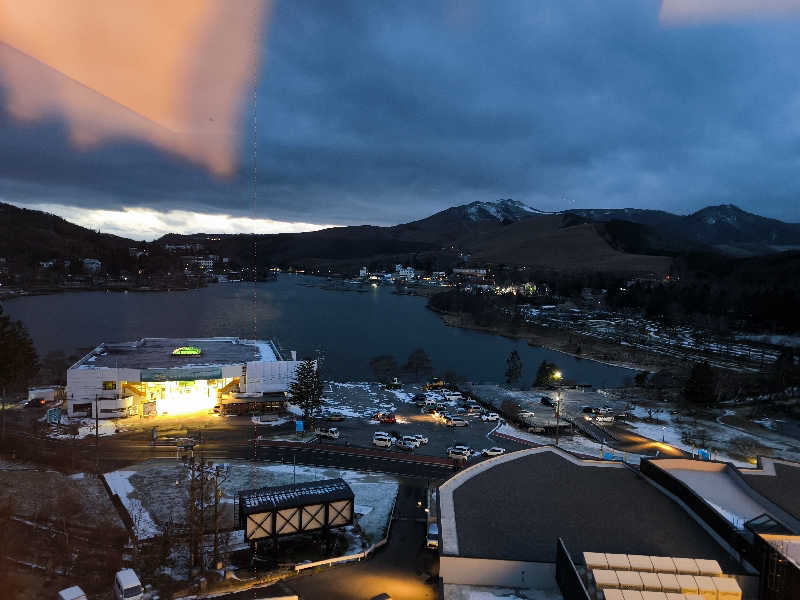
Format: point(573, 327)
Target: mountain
point(505, 231)
point(724, 228)
point(28, 236)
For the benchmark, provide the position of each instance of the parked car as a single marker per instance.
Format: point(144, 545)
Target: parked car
point(72, 593)
point(422, 439)
point(327, 432)
point(388, 418)
point(525, 414)
point(458, 454)
point(382, 442)
point(127, 585)
point(493, 451)
point(547, 401)
point(457, 422)
point(432, 539)
point(490, 417)
point(404, 445)
point(411, 440)
point(435, 384)
point(394, 384)
point(419, 399)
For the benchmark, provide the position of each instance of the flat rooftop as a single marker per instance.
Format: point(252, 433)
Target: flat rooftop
point(778, 481)
point(514, 507)
point(156, 353)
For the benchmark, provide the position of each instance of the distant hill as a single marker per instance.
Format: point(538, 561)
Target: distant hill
point(725, 228)
point(28, 236)
point(501, 232)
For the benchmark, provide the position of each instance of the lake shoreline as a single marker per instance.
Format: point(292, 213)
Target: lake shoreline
point(567, 343)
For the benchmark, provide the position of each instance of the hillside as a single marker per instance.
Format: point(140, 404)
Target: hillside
point(725, 228)
point(29, 236)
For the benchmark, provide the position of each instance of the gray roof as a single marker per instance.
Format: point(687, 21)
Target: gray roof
point(287, 496)
point(517, 509)
point(782, 488)
point(156, 353)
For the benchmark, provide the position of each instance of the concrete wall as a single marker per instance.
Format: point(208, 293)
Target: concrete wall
point(265, 376)
point(507, 573)
point(84, 385)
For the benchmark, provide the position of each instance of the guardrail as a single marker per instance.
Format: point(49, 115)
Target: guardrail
point(567, 576)
point(351, 557)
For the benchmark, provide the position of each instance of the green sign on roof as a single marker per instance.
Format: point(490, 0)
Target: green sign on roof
point(187, 351)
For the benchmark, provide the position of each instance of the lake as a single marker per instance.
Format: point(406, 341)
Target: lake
point(348, 327)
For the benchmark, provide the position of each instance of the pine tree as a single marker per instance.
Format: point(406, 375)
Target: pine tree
point(513, 368)
point(306, 389)
point(419, 364)
point(19, 362)
point(700, 388)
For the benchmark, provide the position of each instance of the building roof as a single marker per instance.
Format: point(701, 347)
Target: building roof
point(515, 506)
point(156, 353)
point(778, 481)
point(288, 496)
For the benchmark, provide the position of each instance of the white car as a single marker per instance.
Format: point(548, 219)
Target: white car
point(404, 445)
point(490, 417)
point(328, 432)
point(494, 451)
point(458, 454)
point(457, 422)
point(382, 441)
point(525, 414)
point(422, 439)
point(411, 439)
point(381, 434)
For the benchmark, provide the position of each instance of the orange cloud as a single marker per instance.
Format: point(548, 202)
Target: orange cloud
point(174, 74)
point(697, 11)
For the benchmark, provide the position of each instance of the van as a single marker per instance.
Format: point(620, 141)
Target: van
point(127, 586)
point(432, 539)
point(72, 593)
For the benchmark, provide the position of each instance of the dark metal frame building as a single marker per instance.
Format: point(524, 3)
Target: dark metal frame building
point(273, 512)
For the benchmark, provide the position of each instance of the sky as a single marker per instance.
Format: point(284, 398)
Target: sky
point(386, 112)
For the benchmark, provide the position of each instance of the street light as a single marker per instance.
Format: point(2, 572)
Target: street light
point(663, 432)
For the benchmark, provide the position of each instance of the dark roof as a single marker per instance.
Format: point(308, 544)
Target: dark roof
point(150, 353)
point(783, 488)
point(288, 496)
point(517, 509)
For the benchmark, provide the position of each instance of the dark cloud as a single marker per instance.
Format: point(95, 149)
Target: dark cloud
point(386, 112)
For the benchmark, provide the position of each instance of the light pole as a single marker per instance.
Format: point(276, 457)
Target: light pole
point(663, 432)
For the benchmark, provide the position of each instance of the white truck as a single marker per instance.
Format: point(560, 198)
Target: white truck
point(327, 432)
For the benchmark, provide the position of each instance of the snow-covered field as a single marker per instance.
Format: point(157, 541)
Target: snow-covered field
point(360, 399)
point(576, 443)
point(155, 491)
point(723, 441)
point(86, 428)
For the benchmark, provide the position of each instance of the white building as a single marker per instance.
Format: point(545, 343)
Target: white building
point(92, 265)
point(172, 376)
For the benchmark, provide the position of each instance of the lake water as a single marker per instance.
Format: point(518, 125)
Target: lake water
point(350, 328)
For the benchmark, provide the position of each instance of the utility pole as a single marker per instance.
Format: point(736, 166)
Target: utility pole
point(96, 436)
point(558, 410)
point(217, 496)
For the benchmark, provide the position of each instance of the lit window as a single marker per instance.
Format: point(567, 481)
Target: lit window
point(109, 385)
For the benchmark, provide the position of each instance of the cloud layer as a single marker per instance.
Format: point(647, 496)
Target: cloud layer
point(386, 112)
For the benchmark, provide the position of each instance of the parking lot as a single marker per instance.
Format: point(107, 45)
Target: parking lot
point(359, 403)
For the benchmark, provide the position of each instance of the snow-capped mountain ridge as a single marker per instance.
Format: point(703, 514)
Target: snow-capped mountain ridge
point(501, 210)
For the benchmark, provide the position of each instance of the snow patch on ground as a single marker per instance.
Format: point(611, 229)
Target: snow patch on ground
point(474, 592)
point(577, 444)
point(144, 526)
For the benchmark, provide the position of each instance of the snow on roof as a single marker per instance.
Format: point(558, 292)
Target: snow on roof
point(128, 578)
point(301, 494)
point(72, 593)
point(156, 353)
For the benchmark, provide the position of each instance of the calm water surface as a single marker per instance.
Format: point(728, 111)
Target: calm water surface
point(350, 328)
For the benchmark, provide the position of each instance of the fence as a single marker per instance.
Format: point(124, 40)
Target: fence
point(567, 576)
